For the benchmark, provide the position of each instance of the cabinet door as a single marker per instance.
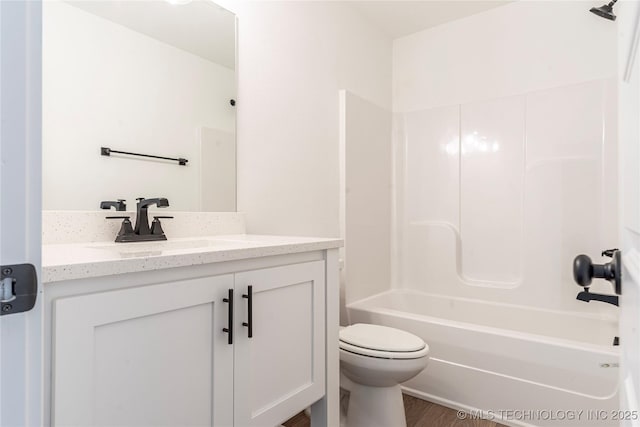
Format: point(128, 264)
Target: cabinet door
point(281, 368)
point(146, 356)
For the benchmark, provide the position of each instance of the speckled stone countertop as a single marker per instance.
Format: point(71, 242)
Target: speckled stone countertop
point(84, 260)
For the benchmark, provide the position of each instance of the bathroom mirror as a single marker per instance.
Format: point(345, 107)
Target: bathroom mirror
point(156, 78)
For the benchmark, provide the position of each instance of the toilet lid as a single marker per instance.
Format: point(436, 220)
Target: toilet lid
point(381, 354)
point(380, 338)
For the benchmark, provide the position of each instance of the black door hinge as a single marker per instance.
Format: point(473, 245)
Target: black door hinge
point(18, 288)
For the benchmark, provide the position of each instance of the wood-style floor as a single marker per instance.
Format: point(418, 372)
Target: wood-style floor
point(419, 413)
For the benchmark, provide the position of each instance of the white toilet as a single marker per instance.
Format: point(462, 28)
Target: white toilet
point(377, 359)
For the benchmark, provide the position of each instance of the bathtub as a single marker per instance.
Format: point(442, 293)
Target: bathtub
point(518, 365)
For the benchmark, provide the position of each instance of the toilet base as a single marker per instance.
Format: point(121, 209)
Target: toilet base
point(375, 407)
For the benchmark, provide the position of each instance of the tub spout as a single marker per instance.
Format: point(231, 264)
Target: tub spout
point(587, 296)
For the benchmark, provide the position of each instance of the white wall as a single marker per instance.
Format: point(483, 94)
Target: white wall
point(106, 85)
point(294, 57)
point(366, 188)
point(506, 125)
point(513, 49)
point(218, 172)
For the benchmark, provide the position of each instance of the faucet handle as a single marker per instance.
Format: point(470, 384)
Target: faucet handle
point(156, 226)
point(584, 270)
point(126, 228)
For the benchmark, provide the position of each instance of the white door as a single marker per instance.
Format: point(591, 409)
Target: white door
point(20, 211)
point(147, 356)
point(279, 369)
point(629, 139)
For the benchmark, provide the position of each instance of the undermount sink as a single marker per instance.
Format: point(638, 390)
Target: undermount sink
point(161, 247)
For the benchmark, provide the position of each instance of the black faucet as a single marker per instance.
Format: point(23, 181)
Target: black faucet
point(587, 296)
point(142, 232)
point(584, 270)
point(142, 218)
point(119, 205)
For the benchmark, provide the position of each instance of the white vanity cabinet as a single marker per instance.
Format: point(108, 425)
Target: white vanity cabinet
point(150, 355)
point(282, 365)
point(156, 354)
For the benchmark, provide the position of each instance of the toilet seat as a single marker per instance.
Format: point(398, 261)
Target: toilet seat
point(382, 342)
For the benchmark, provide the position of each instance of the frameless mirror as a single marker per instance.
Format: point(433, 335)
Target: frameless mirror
point(155, 79)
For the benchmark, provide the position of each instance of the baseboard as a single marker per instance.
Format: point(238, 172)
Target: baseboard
point(465, 408)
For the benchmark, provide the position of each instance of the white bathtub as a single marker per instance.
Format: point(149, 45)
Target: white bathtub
point(520, 365)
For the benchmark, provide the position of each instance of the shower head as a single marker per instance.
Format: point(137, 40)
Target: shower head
point(605, 11)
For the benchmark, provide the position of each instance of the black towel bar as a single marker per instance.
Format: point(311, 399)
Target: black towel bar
point(105, 151)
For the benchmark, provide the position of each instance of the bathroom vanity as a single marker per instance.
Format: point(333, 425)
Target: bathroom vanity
point(212, 326)
point(221, 330)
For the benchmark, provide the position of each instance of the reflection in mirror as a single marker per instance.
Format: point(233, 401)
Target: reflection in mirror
point(147, 77)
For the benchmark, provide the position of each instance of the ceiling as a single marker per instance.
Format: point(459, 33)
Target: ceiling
point(207, 30)
point(400, 18)
point(200, 27)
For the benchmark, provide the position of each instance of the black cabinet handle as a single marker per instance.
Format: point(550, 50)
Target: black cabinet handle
point(229, 330)
point(249, 323)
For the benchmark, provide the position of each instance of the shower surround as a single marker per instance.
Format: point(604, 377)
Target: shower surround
point(505, 168)
point(493, 200)
point(497, 197)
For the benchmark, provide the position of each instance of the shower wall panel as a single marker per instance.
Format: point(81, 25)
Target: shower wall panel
point(491, 190)
point(498, 209)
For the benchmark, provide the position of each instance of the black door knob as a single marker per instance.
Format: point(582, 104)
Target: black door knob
point(584, 270)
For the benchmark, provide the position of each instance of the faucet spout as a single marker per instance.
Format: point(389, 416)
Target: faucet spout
point(587, 296)
point(119, 205)
point(142, 218)
point(161, 202)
